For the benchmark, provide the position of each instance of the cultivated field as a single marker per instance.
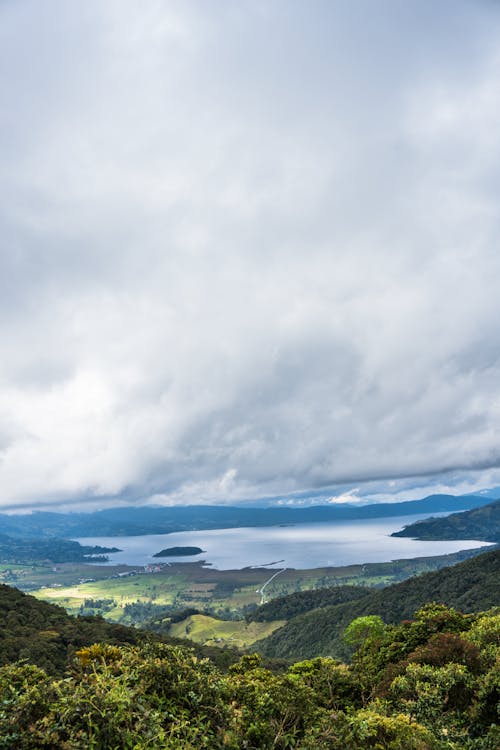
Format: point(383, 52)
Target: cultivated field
point(134, 595)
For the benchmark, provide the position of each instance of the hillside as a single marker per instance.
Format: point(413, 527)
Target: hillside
point(479, 523)
point(45, 635)
point(286, 607)
point(431, 684)
point(210, 630)
point(470, 586)
point(427, 684)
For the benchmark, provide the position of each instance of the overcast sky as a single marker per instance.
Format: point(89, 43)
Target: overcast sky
point(248, 248)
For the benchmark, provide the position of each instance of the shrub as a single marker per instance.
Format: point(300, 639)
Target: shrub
point(366, 730)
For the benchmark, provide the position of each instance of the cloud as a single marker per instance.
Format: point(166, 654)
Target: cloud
point(247, 248)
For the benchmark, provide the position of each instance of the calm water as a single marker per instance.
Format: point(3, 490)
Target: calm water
point(300, 546)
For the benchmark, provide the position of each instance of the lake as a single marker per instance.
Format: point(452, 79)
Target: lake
point(313, 545)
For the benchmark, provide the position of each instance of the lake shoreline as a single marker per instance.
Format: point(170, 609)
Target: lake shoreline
point(302, 546)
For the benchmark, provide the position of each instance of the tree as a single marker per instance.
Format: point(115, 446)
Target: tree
point(362, 628)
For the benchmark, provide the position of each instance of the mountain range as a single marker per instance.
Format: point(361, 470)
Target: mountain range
point(135, 521)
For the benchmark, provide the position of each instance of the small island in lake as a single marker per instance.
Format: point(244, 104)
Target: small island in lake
point(178, 551)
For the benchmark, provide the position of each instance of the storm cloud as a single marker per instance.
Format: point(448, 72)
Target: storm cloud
point(248, 248)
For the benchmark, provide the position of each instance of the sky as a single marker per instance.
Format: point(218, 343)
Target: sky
point(248, 249)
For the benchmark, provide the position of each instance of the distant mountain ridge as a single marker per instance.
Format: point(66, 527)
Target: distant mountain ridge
point(481, 523)
point(135, 521)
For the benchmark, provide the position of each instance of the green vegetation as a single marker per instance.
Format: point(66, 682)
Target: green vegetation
point(286, 607)
point(480, 523)
point(178, 551)
point(470, 586)
point(140, 594)
point(369, 626)
point(45, 635)
point(432, 683)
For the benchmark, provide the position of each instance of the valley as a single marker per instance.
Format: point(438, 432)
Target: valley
point(428, 682)
point(216, 605)
point(134, 594)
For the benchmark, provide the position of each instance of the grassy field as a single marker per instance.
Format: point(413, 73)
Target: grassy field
point(133, 595)
point(190, 585)
point(209, 631)
point(178, 586)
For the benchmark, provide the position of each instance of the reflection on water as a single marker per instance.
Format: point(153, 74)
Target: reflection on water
point(310, 545)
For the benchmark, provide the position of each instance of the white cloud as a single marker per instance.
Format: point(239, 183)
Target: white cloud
point(247, 248)
point(351, 496)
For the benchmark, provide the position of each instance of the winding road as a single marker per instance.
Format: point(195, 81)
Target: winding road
point(261, 590)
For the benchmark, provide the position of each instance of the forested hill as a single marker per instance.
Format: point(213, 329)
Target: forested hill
point(431, 684)
point(46, 635)
point(15, 550)
point(470, 586)
point(286, 607)
point(164, 520)
point(480, 523)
